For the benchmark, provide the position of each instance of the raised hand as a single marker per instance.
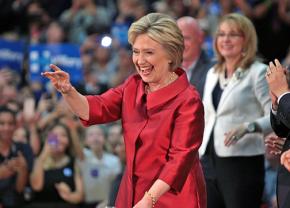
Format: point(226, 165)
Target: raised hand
point(276, 78)
point(59, 79)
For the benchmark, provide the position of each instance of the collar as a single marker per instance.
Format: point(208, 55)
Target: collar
point(166, 93)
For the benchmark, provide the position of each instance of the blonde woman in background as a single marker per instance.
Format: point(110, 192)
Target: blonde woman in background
point(237, 106)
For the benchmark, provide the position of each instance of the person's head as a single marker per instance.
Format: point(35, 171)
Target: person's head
point(95, 138)
point(157, 46)
point(120, 149)
point(114, 135)
point(7, 124)
point(193, 38)
point(236, 39)
point(59, 138)
point(55, 33)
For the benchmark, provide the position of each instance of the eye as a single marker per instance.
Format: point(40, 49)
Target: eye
point(149, 52)
point(135, 52)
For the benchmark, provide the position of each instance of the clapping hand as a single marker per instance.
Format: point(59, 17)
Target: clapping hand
point(274, 144)
point(18, 164)
point(59, 79)
point(277, 79)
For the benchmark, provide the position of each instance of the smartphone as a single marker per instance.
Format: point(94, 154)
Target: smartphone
point(52, 140)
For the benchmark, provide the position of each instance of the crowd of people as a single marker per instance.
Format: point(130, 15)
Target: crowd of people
point(220, 144)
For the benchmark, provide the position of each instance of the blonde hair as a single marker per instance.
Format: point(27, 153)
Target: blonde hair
point(162, 29)
point(248, 31)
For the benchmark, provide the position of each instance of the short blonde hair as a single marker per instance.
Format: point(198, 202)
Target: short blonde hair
point(248, 31)
point(162, 29)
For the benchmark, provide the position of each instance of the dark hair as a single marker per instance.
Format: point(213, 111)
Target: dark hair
point(5, 109)
point(69, 150)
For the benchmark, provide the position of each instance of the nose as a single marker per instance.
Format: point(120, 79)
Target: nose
point(140, 59)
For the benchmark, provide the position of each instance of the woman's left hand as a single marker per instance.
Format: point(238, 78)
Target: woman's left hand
point(145, 202)
point(233, 136)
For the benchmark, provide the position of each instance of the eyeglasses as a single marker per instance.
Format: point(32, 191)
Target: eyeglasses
point(229, 35)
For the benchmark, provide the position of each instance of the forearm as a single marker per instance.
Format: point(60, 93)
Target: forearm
point(77, 146)
point(77, 195)
point(77, 103)
point(21, 181)
point(34, 139)
point(37, 175)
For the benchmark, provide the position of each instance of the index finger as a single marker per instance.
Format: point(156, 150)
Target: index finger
point(54, 67)
point(277, 62)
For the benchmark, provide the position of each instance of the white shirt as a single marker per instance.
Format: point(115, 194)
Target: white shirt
point(98, 175)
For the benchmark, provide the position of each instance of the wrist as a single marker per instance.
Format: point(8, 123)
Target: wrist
point(253, 127)
point(67, 91)
point(151, 197)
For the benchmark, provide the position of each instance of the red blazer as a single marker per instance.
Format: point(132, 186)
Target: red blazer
point(162, 132)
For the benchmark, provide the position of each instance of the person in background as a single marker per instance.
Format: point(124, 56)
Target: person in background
point(98, 167)
point(162, 118)
point(114, 133)
point(54, 33)
point(125, 67)
point(279, 90)
point(274, 146)
point(83, 18)
point(237, 106)
point(55, 179)
point(16, 161)
point(195, 61)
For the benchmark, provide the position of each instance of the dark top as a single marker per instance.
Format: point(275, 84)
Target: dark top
point(9, 197)
point(281, 126)
point(51, 177)
point(199, 72)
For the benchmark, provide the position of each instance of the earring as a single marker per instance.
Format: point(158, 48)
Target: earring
point(243, 53)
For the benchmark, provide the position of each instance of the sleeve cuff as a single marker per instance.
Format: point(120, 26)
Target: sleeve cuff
point(279, 98)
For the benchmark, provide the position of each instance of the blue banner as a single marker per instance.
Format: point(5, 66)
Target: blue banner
point(65, 56)
point(11, 54)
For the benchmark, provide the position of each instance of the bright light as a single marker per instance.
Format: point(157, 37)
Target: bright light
point(106, 41)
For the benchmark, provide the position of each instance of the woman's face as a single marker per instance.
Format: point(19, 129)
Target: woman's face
point(7, 126)
point(151, 60)
point(95, 137)
point(230, 41)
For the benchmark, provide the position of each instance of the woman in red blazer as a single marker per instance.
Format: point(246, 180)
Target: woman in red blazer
point(162, 117)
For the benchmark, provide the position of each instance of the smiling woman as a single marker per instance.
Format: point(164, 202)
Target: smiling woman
point(162, 119)
point(237, 105)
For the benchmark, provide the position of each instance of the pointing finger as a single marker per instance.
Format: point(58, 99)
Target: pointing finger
point(54, 67)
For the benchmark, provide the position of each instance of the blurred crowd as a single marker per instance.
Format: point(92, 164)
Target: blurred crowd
point(82, 167)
